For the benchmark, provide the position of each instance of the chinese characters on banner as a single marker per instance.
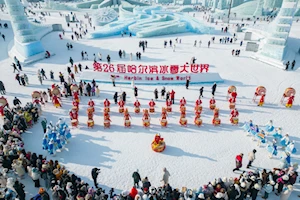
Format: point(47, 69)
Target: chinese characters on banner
point(151, 69)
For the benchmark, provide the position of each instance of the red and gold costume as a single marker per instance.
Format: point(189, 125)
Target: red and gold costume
point(146, 119)
point(169, 105)
point(163, 120)
point(74, 118)
point(90, 114)
point(212, 103)
point(76, 97)
point(261, 100)
point(106, 105)
point(75, 106)
point(127, 116)
point(137, 106)
point(56, 101)
point(36, 101)
point(234, 94)
point(91, 103)
point(234, 116)
point(158, 144)
point(152, 105)
point(106, 120)
point(231, 103)
point(198, 109)
point(182, 102)
point(216, 121)
point(198, 102)
point(290, 101)
point(121, 104)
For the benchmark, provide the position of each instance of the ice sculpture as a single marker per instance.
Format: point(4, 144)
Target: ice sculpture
point(151, 21)
point(222, 4)
point(259, 8)
point(275, 45)
point(104, 16)
point(26, 43)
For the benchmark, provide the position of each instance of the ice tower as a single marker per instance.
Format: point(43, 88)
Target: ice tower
point(275, 46)
point(26, 43)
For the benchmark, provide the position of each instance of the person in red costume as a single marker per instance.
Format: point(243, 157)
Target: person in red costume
point(198, 102)
point(238, 162)
point(106, 103)
point(56, 101)
point(133, 192)
point(137, 104)
point(212, 101)
point(75, 95)
point(231, 100)
point(290, 101)
point(151, 103)
point(75, 104)
point(182, 102)
point(158, 138)
point(172, 96)
point(168, 102)
point(216, 113)
point(36, 101)
point(121, 103)
point(91, 103)
point(234, 113)
point(234, 94)
point(73, 115)
point(261, 100)
point(164, 114)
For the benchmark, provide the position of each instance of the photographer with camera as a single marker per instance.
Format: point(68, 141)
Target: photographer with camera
point(95, 172)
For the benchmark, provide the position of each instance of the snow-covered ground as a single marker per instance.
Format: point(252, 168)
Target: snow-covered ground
point(193, 155)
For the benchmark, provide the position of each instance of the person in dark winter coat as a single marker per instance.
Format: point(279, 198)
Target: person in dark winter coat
point(201, 91)
point(167, 96)
point(187, 83)
point(95, 173)
point(287, 65)
point(16, 101)
point(44, 124)
point(254, 191)
point(293, 64)
point(135, 91)
point(2, 88)
point(19, 187)
point(163, 91)
point(88, 89)
point(71, 61)
point(124, 96)
point(156, 94)
point(136, 178)
point(116, 97)
point(232, 193)
point(213, 89)
point(146, 184)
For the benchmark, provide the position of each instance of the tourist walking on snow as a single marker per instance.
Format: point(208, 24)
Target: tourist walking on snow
point(15, 67)
point(116, 97)
point(163, 91)
point(71, 61)
point(293, 64)
point(43, 73)
point(213, 89)
point(238, 162)
point(95, 172)
point(201, 91)
point(166, 176)
point(251, 157)
point(156, 94)
point(287, 65)
point(136, 178)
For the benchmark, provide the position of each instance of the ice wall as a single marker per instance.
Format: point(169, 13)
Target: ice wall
point(25, 41)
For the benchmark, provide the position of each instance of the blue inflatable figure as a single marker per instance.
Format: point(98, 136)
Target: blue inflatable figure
point(51, 147)
point(62, 140)
point(58, 143)
point(45, 142)
point(269, 127)
point(68, 133)
point(291, 148)
point(277, 135)
point(272, 149)
point(285, 141)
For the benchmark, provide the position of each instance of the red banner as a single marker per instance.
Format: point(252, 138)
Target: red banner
point(151, 69)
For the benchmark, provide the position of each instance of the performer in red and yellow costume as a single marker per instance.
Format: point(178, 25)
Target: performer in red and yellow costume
point(158, 144)
point(231, 103)
point(182, 120)
point(146, 118)
point(106, 105)
point(75, 105)
point(261, 100)
point(56, 101)
point(198, 120)
point(182, 102)
point(90, 113)
point(36, 101)
point(233, 94)
point(234, 116)
point(74, 117)
point(137, 106)
point(163, 120)
point(121, 104)
point(212, 103)
point(127, 117)
point(91, 104)
point(290, 101)
point(152, 105)
point(198, 102)
point(76, 96)
point(106, 120)
point(169, 105)
point(216, 120)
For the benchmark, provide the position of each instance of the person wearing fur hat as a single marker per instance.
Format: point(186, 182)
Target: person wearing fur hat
point(238, 162)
